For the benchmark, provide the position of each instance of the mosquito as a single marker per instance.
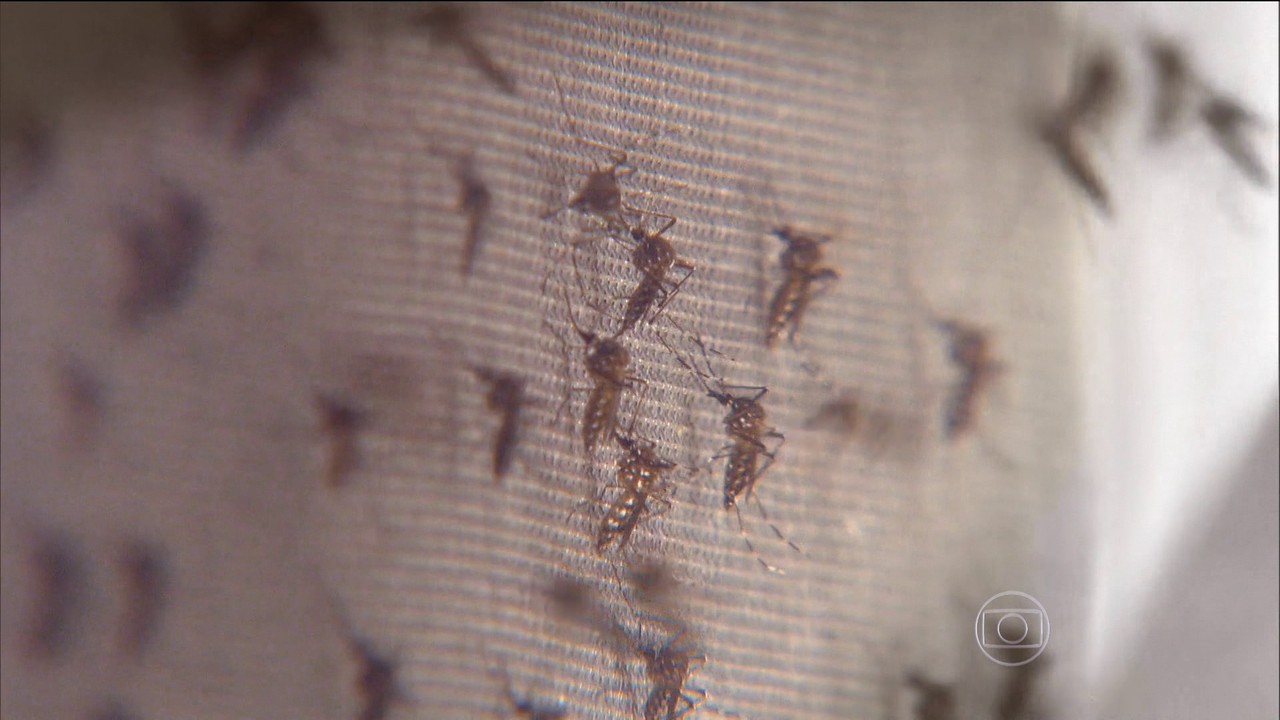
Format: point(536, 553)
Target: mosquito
point(1090, 100)
point(600, 195)
point(654, 256)
point(341, 422)
point(376, 682)
point(268, 56)
point(59, 578)
point(529, 709)
point(1017, 701)
point(1228, 121)
point(1178, 87)
point(970, 351)
point(747, 457)
point(84, 392)
point(1175, 85)
point(475, 200)
point(505, 397)
point(447, 24)
point(639, 476)
point(113, 709)
point(668, 667)
point(146, 578)
point(607, 362)
point(163, 252)
point(652, 580)
point(802, 265)
point(841, 415)
point(936, 700)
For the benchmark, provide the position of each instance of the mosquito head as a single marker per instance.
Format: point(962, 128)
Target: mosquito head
point(803, 252)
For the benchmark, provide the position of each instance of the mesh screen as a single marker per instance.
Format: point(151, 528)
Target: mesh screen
point(333, 269)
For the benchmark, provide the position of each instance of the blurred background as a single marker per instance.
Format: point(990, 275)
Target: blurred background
point(295, 303)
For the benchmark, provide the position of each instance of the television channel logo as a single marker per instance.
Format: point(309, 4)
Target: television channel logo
point(1012, 628)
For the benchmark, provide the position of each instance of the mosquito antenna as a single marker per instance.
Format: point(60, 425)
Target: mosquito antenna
point(564, 108)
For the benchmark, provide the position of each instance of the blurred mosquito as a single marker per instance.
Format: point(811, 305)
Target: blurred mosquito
point(804, 276)
point(802, 268)
point(341, 422)
point(145, 571)
point(1017, 699)
point(1228, 123)
point(28, 157)
point(1178, 89)
point(841, 415)
point(59, 577)
point(505, 397)
point(653, 581)
point(163, 251)
point(113, 709)
point(376, 681)
point(267, 56)
point(475, 200)
point(528, 709)
point(447, 24)
point(84, 393)
point(970, 351)
point(935, 701)
point(1090, 101)
point(669, 667)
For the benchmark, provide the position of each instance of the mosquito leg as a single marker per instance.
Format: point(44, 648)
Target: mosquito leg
point(769, 522)
point(746, 538)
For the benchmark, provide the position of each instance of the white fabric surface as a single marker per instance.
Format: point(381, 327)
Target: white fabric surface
point(332, 268)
